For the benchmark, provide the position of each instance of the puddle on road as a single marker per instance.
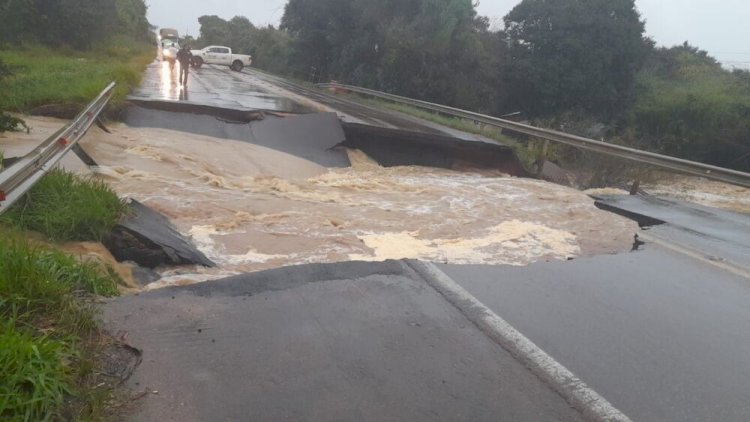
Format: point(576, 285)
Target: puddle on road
point(250, 208)
point(210, 86)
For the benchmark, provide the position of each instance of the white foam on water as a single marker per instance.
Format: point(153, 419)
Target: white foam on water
point(511, 242)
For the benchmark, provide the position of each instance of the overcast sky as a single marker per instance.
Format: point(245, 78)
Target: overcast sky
point(720, 26)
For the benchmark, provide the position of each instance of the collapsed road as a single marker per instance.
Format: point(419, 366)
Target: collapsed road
point(657, 333)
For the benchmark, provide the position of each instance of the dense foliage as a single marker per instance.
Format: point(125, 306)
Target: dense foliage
point(67, 51)
point(75, 23)
point(687, 105)
point(574, 54)
point(435, 49)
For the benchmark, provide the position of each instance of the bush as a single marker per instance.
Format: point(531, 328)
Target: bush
point(690, 107)
point(11, 124)
point(65, 207)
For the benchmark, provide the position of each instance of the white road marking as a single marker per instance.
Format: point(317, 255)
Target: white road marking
point(695, 255)
point(583, 398)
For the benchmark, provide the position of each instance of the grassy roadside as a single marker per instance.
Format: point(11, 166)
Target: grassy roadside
point(66, 207)
point(48, 333)
point(50, 343)
point(43, 76)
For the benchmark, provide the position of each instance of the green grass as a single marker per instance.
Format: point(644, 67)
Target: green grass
point(44, 76)
point(35, 378)
point(49, 336)
point(38, 283)
point(66, 207)
point(47, 331)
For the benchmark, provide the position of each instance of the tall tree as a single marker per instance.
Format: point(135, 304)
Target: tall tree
point(241, 34)
point(438, 50)
point(214, 30)
point(689, 106)
point(77, 23)
point(570, 54)
point(131, 15)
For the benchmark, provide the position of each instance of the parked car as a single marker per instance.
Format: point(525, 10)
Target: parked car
point(217, 54)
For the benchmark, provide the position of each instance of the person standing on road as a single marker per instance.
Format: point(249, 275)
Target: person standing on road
point(172, 56)
point(184, 56)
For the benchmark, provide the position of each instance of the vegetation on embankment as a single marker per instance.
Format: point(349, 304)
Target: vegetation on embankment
point(66, 207)
point(54, 52)
point(49, 336)
point(42, 75)
point(67, 52)
point(48, 333)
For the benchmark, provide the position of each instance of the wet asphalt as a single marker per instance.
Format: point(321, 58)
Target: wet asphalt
point(660, 335)
point(209, 86)
point(336, 342)
point(218, 86)
point(660, 332)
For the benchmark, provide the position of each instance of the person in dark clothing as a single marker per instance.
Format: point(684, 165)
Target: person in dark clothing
point(184, 56)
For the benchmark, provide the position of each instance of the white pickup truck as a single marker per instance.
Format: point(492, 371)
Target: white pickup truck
point(216, 54)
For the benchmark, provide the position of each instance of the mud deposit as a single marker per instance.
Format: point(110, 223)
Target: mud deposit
point(251, 208)
point(704, 192)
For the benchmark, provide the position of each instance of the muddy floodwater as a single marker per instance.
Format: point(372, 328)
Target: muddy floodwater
point(251, 208)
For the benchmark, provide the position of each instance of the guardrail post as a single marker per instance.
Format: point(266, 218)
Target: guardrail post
point(636, 186)
point(542, 157)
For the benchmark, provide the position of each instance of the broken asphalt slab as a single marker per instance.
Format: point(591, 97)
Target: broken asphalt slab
point(309, 136)
point(395, 147)
point(147, 238)
point(315, 137)
point(349, 341)
point(715, 234)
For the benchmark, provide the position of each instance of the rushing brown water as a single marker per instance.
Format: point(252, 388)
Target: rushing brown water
point(250, 208)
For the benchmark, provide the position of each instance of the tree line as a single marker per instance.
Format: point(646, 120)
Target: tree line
point(74, 23)
point(580, 60)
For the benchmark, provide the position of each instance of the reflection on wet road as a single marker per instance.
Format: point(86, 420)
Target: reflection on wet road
point(210, 86)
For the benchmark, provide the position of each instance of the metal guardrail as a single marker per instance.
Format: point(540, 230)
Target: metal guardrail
point(670, 163)
point(18, 178)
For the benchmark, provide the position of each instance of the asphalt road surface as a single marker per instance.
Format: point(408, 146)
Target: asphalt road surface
point(341, 342)
point(209, 86)
point(662, 336)
point(250, 89)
